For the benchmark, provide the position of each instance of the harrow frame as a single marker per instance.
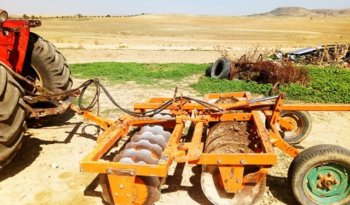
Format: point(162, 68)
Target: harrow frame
point(121, 176)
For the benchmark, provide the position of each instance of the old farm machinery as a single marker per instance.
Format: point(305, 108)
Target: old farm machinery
point(31, 71)
point(231, 135)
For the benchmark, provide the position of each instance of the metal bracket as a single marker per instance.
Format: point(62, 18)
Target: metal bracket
point(121, 183)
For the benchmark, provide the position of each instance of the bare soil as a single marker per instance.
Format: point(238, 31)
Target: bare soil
point(186, 38)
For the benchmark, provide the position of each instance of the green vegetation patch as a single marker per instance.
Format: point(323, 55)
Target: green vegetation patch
point(140, 73)
point(328, 84)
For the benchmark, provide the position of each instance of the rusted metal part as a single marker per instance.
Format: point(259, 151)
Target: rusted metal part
point(43, 112)
point(233, 70)
point(34, 23)
point(326, 181)
point(265, 71)
point(321, 55)
point(3, 16)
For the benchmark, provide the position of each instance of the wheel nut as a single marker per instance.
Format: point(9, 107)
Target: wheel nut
point(319, 185)
point(329, 174)
point(335, 181)
point(319, 176)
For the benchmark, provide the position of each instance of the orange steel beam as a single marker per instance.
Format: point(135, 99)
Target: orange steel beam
point(275, 136)
point(198, 132)
point(316, 107)
point(262, 133)
point(107, 139)
point(278, 142)
point(194, 148)
point(98, 120)
point(215, 117)
point(140, 170)
point(161, 169)
point(143, 121)
point(171, 149)
point(237, 159)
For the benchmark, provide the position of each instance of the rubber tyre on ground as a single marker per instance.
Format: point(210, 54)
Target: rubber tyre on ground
point(208, 70)
point(311, 165)
point(304, 126)
point(12, 117)
point(221, 69)
point(45, 63)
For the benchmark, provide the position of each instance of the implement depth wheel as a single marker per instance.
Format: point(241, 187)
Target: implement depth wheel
point(301, 123)
point(320, 175)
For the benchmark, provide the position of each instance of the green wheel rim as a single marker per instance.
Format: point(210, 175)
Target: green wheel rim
point(327, 184)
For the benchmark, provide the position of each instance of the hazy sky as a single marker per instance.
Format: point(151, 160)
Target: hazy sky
point(122, 7)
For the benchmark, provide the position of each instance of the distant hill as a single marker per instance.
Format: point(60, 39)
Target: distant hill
point(300, 12)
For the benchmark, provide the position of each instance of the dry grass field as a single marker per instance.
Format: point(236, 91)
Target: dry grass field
point(149, 38)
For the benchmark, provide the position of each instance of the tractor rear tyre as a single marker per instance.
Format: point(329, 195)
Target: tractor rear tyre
point(12, 117)
point(320, 175)
point(47, 65)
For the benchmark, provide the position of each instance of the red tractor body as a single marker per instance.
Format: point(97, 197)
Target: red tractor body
point(13, 43)
point(32, 72)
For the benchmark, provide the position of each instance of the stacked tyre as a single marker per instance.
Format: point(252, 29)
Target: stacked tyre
point(221, 69)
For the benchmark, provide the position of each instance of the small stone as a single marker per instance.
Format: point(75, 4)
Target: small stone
point(54, 166)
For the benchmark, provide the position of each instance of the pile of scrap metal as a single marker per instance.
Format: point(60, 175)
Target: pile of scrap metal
point(261, 71)
point(321, 55)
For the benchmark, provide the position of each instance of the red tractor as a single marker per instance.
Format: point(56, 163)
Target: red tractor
point(29, 66)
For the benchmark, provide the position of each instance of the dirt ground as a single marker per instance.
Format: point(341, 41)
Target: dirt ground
point(186, 38)
point(46, 169)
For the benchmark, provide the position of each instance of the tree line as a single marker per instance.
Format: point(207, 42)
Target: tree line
point(25, 16)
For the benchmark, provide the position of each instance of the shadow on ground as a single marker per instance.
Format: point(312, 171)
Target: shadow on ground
point(280, 189)
point(48, 121)
point(30, 150)
point(194, 191)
